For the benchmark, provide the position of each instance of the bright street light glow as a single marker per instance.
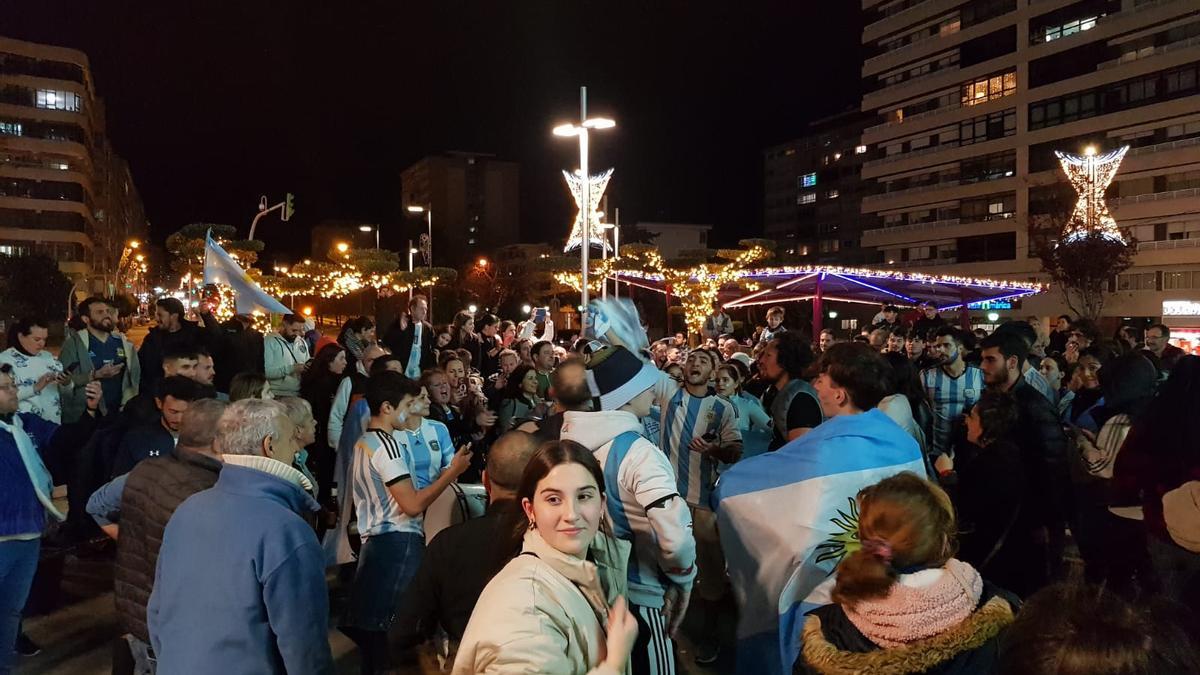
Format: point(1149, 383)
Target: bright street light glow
point(416, 209)
point(599, 123)
point(413, 251)
point(483, 262)
point(833, 315)
point(526, 309)
point(993, 317)
point(342, 247)
point(1089, 150)
point(135, 243)
point(566, 130)
point(365, 228)
point(472, 308)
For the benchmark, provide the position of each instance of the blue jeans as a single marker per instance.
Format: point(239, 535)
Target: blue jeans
point(18, 562)
point(386, 564)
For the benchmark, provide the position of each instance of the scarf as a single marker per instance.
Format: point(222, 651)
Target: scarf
point(43, 485)
point(919, 605)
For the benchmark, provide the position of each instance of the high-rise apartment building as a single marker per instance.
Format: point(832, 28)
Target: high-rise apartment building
point(64, 192)
point(814, 192)
point(972, 97)
point(475, 200)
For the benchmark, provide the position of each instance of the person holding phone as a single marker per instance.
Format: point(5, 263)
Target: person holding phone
point(35, 370)
point(98, 353)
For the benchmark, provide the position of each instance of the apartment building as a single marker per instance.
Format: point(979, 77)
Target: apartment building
point(64, 192)
point(813, 192)
point(972, 97)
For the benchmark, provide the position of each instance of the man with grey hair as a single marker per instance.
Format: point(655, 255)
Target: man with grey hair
point(142, 501)
point(461, 559)
point(240, 583)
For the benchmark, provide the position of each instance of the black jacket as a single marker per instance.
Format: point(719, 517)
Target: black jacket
point(400, 342)
point(1043, 445)
point(144, 442)
point(157, 342)
point(235, 349)
point(830, 643)
point(458, 563)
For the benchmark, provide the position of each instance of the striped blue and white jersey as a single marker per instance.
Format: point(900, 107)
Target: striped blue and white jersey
point(949, 397)
point(428, 451)
point(684, 418)
point(380, 460)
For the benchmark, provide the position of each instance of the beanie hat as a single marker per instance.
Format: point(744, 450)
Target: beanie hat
point(1181, 512)
point(616, 376)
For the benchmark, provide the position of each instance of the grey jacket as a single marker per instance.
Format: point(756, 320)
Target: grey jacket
point(75, 351)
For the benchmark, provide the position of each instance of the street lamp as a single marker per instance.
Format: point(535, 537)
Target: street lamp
point(411, 282)
point(368, 228)
point(428, 211)
point(581, 130)
point(342, 247)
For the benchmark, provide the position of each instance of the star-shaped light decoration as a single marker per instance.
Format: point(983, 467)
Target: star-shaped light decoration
point(598, 183)
point(1090, 174)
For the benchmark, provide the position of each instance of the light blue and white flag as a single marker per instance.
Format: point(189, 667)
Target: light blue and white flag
point(220, 268)
point(788, 517)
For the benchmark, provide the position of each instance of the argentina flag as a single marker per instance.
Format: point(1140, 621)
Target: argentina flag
point(786, 518)
point(220, 268)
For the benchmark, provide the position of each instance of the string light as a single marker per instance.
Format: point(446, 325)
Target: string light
point(598, 184)
point(1090, 174)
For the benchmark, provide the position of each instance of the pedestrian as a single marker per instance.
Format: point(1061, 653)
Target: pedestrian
point(494, 386)
point(1161, 453)
point(490, 346)
point(237, 348)
point(249, 385)
point(569, 392)
point(775, 319)
point(952, 386)
point(1080, 628)
point(1157, 336)
point(32, 452)
point(1029, 368)
point(645, 502)
point(356, 335)
point(318, 385)
point(826, 339)
point(172, 331)
point(906, 403)
point(157, 438)
point(300, 413)
point(764, 535)
point(411, 338)
point(286, 356)
point(37, 373)
point(890, 319)
point(754, 425)
point(902, 602)
point(98, 352)
point(791, 400)
point(519, 398)
point(462, 559)
point(240, 578)
point(352, 386)
point(716, 324)
point(389, 504)
point(542, 354)
point(559, 607)
point(1052, 368)
point(134, 509)
point(462, 334)
point(1058, 337)
point(929, 321)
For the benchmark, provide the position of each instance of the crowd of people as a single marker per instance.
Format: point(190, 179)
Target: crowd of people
point(916, 497)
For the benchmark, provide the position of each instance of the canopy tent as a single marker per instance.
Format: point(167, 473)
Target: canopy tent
point(820, 283)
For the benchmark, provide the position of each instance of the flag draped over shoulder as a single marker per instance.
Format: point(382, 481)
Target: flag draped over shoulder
point(338, 550)
point(786, 518)
point(220, 268)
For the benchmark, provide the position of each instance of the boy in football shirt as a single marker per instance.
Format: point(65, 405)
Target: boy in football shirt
point(390, 505)
point(952, 386)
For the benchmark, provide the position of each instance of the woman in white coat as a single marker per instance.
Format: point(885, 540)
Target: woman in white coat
point(36, 372)
point(558, 606)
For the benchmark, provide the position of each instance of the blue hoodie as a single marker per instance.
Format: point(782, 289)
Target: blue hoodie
point(240, 585)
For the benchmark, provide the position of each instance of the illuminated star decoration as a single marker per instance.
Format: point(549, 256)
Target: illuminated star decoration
point(1090, 174)
point(598, 183)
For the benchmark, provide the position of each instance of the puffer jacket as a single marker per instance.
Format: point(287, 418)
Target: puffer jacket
point(545, 612)
point(648, 497)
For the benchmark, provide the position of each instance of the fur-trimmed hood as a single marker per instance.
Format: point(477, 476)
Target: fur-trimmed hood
point(981, 628)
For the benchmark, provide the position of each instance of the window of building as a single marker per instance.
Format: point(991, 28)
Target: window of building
point(989, 88)
point(990, 207)
point(808, 180)
point(987, 127)
point(1115, 97)
point(61, 166)
point(829, 246)
point(1137, 281)
point(51, 99)
point(470, 241)
point(10, 128)
point(1063, 30)
point(806, 198)
point(999, 246)
point(832, 194)
point(1177, 281)
point(860, 150)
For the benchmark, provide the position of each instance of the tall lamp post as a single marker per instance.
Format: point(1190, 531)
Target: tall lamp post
point(428, 211)
point(368, 228)
point(581, 130)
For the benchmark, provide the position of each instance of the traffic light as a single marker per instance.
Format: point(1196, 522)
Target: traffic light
point(289, 206)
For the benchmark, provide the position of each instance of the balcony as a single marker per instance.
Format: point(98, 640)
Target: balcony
point(909, 155)
point(1168, 245)
point(1148, 53)
point(1152, 197)
point(1165, 147)
point(891, 89)
point(911, 191)
point(874, 31)
point(912, 227)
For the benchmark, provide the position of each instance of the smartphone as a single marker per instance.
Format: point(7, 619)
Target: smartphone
point(539, 314)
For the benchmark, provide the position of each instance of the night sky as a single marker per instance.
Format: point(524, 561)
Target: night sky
point(218, 101)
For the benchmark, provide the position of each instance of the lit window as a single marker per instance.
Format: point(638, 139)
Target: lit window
point(860, 150)
point(808, 180)
point(807, 198)
point(832, 194)
point(57, 100)
point(61, 166)
point(10, 128)
point(837, 156)
point(6, 250)
point(470, 241)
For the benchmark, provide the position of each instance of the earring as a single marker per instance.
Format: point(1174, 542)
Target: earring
point(532, 524)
